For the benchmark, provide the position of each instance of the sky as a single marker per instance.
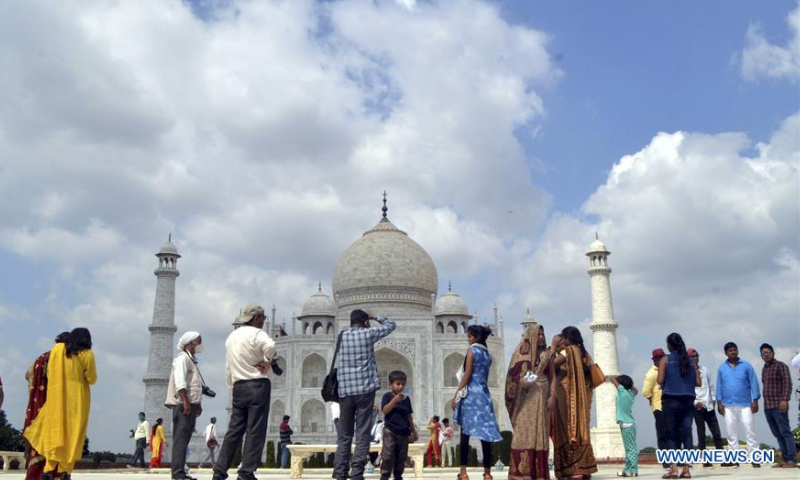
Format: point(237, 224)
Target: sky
point(262, 134)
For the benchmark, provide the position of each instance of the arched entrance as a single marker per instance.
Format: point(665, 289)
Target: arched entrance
point(312, 417)
point(276, 413)
point(389, 361)
point(452, 364)
point(313, 371)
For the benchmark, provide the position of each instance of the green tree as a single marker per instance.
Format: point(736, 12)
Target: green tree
point(10, 437)
point(502, 449)
point(271, 455)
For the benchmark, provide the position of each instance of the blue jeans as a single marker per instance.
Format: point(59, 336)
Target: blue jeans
point(678, 417)
point(285, 455)
point(779, 425)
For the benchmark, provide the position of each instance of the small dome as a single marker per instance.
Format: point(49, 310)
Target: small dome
point(451, 304)
point(528, 318)
point(169, 248)
point(597, 247)
point(319, 305)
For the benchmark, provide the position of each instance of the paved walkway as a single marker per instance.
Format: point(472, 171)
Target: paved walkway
point(606, 472)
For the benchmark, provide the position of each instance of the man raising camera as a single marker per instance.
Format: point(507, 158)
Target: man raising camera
point(249, 352)
point(184, 394)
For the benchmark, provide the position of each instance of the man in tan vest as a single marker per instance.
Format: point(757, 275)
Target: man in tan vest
point(184, 394)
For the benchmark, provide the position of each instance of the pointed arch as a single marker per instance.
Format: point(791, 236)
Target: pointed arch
point(313, 372)
point(312, 416)
point(452, 363)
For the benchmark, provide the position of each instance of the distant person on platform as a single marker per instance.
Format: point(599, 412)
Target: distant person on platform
point(737, 399)
point(286, 432)
point(777, 393)
point(705, 405)
point(249, 350)
point(140, 436)
point(652, 392)
point(357, 374)
point(210, 436)
point(184, 396)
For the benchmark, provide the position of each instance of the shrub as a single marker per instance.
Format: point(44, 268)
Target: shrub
point(272, 455)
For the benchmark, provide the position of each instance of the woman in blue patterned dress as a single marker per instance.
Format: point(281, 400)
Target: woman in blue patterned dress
point(472, 403)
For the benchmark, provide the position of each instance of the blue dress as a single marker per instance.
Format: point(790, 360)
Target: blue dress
point(475, 413)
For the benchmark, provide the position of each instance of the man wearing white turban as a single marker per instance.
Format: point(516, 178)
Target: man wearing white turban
point(184, 394)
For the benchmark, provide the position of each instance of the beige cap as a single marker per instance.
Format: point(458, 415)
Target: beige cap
point(248, 312)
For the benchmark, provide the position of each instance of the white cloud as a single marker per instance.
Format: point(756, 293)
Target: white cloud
point(762, 59)
point(262, 139)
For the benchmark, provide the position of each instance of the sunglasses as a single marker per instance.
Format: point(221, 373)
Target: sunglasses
point(766, 354)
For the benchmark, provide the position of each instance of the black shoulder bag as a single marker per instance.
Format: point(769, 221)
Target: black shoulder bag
point(330, 386)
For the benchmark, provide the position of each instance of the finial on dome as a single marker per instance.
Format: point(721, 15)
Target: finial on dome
point(169, 237)
point(449, 286)
point(528, 311)
point(596, 236)
point(385, 208)
point(320, 287)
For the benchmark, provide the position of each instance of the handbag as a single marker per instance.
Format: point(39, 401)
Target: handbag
point(330, 386)
point(461, 394)
point(597, 375)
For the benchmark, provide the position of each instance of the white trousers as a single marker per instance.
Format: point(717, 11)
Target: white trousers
point(447, 455)
point(736, 418)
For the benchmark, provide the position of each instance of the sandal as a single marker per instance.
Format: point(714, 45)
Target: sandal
point(488, 476)
point(462, 476)
point(671, 474)
point(685, 473)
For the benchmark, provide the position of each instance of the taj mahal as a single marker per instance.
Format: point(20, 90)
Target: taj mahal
point(385, 272)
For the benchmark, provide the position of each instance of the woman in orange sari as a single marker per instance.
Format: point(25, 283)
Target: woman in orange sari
point(530, 395)
point(37, 395)
point(573, 456)
point(157, 443)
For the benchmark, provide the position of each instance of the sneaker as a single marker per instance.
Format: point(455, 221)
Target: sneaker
point(706, 465)
point(729, 465)
point(756, 465)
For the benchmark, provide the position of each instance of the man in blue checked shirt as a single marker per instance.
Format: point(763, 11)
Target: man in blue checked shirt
point(357, 373)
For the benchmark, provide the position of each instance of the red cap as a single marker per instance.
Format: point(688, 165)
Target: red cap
point(658, 352)
point(691, 351)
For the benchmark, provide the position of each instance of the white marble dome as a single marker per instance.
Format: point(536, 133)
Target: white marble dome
point(451, 304)
point(319, 305)
point(385, 265)
point(598, 247)
point(168, 248)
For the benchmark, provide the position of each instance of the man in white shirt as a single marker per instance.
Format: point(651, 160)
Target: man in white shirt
point(249, 352)
point(210, 436)
point(184, 394)
point(704, 404)
point(335, 417)
point(140, 436)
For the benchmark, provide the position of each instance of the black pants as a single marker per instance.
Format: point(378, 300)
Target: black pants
point(661, 434)
point(486, 449)
point(182, 429)
point(678, 415)
point(393, 455)
point(355, 418)
point(138, 455)
point(701, 418)
point(249, 413)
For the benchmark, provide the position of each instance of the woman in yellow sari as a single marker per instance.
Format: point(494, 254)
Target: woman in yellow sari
point(59, 430)
point(529, 401)
point(573, 456)
point(157, 443)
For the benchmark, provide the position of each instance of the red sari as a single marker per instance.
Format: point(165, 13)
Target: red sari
point(37, 395)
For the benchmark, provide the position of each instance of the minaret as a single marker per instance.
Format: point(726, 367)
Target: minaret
point(162, 337)
point(606, 438)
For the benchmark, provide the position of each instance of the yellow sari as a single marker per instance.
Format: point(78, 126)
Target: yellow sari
point(59, 430)
point(157, 446)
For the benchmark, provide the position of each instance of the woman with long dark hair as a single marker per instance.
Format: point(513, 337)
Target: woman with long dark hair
point(157, 443)
point(573, 456)
point(472, 403)
point(678, 376)
point(58, 432)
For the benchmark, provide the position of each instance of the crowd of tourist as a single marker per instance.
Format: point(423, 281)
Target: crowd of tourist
point(548, 396)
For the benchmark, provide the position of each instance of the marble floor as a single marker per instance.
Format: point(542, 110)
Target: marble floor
point(606, 472)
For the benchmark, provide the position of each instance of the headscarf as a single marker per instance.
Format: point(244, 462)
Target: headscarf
point(523, 359)
point(186, 339)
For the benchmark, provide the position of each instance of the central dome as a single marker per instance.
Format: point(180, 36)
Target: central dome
point(385, 266)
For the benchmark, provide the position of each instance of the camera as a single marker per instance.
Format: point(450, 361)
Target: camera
point(275, 367)
point(208, 392)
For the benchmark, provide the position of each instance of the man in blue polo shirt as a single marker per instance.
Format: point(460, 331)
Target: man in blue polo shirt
point(737, 398)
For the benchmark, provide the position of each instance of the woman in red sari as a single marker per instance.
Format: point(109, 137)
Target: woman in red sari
point(37, 395)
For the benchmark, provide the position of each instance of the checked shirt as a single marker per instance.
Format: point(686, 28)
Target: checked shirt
point(356, 369)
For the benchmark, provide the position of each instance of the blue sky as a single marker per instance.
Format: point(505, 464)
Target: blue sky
point(506, 133)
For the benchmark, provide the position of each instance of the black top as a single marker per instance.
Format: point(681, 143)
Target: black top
point(397, 420)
